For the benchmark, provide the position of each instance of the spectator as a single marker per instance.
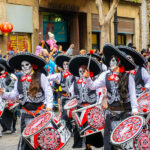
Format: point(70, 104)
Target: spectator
point(70, 50)
point(50, 67)
point(82, 52)
point(39, 49)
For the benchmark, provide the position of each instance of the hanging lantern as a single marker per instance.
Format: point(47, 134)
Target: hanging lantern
point(6, 27)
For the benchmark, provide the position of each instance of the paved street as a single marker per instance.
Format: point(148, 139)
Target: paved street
point(10, 141)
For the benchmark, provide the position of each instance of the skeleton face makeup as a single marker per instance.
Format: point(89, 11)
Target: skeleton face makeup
point(26, 67)
point(81, 71)
point(65, 65)
point(113, 63)
point(130, 58)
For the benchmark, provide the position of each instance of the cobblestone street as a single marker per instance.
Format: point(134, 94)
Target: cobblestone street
point(10, 141)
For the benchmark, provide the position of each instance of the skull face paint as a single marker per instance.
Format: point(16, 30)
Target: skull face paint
point(113, 63)
point(130, 58)
point(26, 67)
point(81, 71)
point(65, 65)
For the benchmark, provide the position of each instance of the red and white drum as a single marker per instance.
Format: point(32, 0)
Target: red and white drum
point(123, 135)
point(70, 106)
point(144, 103)
point(46, 132)
point(89, 119)
point(2, 106)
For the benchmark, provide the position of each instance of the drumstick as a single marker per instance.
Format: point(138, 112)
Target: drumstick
point(88, 67)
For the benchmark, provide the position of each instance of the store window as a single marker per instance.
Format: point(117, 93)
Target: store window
point(19, 41)
point(55, 23)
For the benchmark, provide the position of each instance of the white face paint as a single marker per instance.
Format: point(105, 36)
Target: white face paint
point(113, 63)
point(2, 72)
point(130, 58)
point(65, 65)
point(26, 67)
point(81, 72)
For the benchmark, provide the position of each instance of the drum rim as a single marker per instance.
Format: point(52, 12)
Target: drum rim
point(118, 143)
point(27, 136)
point(67, 108)
point(137, 102)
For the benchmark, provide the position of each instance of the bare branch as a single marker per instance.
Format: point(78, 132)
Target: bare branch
point(99, 4)
point(112, 10)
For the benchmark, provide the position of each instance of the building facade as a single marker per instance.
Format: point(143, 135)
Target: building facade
point(71, 21)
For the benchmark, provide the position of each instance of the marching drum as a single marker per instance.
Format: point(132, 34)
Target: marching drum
point(46, 132)
point(70, 106)
point(89, 119)
point(144, 103)
point(130, 134)
point(2, 106)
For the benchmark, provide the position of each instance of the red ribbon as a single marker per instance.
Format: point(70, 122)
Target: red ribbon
point(80, 81)
point(66, 74)
point(113, 77)
point(4, 75)
point(132, 72)
point(26, 77)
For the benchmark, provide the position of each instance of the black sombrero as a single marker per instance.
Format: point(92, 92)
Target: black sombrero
point(2, 67)
point(15, 61)
point(109, 50)
point(7, 67)
point(79, 60)
point(138, 58)
point(95, 55)
point(60, 59)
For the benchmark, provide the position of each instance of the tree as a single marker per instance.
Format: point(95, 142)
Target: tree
point(104, 20)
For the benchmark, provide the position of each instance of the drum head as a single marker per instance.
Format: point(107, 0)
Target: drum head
point(37, 124)
point(71, 104)
point(144, 103)
point(95, 118)
point(142, 141)
point(48, 139)
point(127, 130)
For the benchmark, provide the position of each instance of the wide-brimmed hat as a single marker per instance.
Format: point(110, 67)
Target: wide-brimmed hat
point(109, 51)
point(138, 58)
point(60, 59)
point(79, 60)
point(2, 67)
point(95, 55)
point(6, 66)
point(15, 61)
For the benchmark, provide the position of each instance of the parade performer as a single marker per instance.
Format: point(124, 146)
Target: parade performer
point(7, 81)
point(85, 97)
point(120, 90)
point(64, 78)
point(32, 88)
point(140, 74)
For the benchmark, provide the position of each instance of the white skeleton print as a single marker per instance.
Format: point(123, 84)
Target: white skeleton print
point(26, 67)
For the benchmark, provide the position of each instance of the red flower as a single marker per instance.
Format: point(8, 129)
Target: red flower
point(99, 93)
point(122, 69)
point(143, 88)
point(6, 73)
point(34, 66)
point(91, 51)
point(91, 74)
point(144, 110)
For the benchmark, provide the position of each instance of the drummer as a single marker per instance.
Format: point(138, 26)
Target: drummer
point(64, 78)
point(7, 80)
point(32, 88)
point(120, 90)
point(85, 97)
point(140, 74)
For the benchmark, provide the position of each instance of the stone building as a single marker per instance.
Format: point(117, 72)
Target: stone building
point(72, 21)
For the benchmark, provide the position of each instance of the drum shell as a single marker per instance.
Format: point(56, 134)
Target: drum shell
point(83, 116)
point(54, 124)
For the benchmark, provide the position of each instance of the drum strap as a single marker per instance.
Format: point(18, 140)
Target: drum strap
point(36, 112)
